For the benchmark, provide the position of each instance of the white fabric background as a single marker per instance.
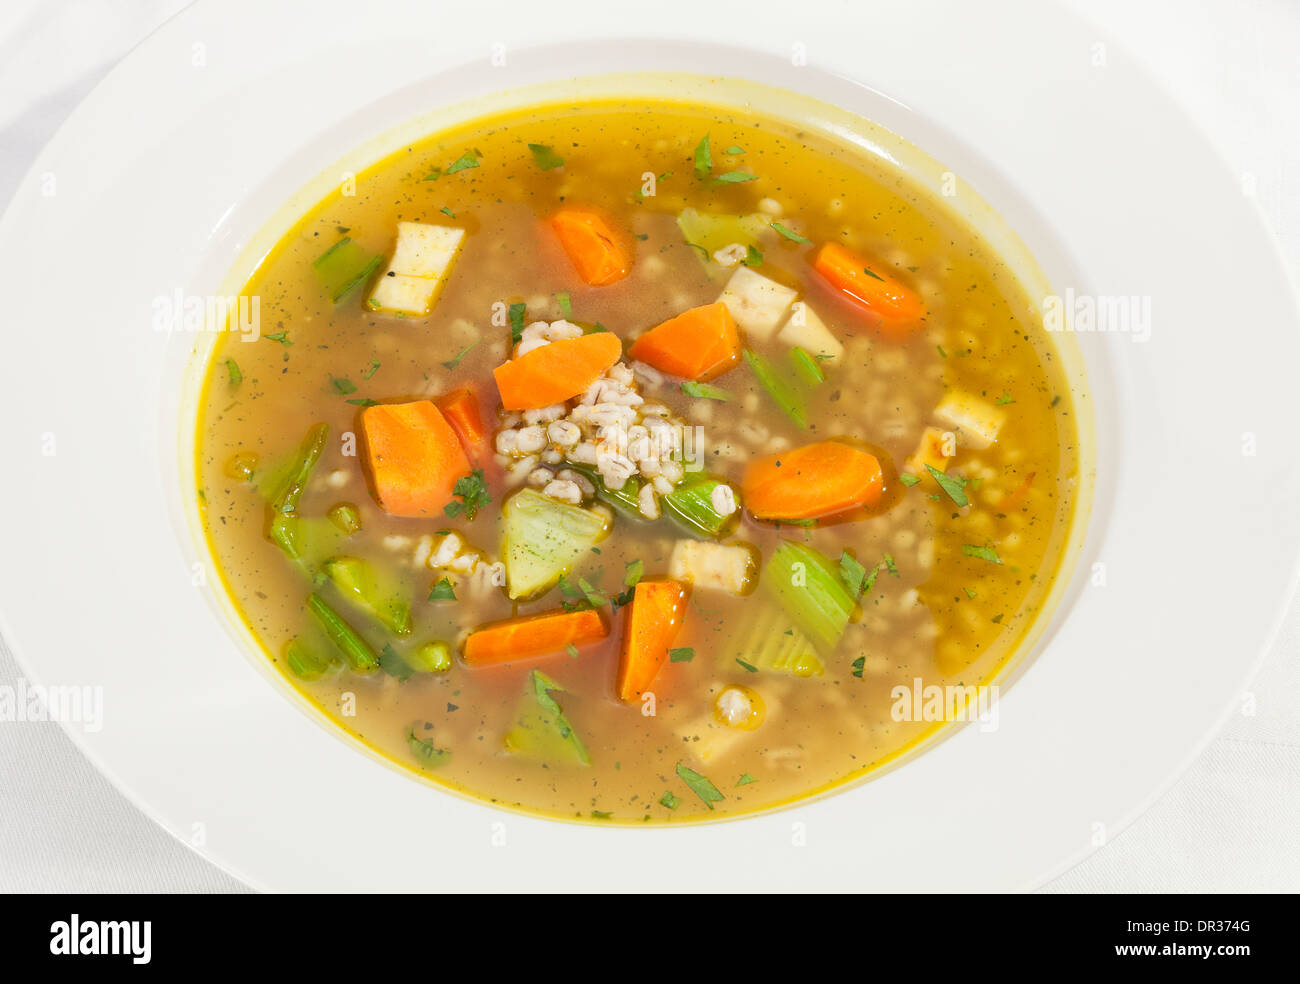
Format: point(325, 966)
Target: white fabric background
point(1230, 824)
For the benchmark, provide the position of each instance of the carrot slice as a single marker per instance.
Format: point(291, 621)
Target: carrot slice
point(597, 252)
point(460, 408)
point(654, 618)
point(698, 344)
point(897, 309)
point(812, 481)
point(556, 372)
point(414, 457)
point(533, 635)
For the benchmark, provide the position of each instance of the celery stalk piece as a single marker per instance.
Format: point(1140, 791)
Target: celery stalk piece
point(772, 642)
point(541, 729)
point(358, 581)
point(344, 267)
point(710, 232)
point(778, 387)
point(806, 368)
point(691, 504)
point(808, 588)
point(306, 663)
point(283, 504)
point(432, 657)
point(626, 500)
point(544, 539)
point(356, 651)
point(424, 751)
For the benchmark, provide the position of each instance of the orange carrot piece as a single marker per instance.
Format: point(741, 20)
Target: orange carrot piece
point(699, 344)
point(654, 618)
point(812, 481)
point(414, 457)
point(597, 252)
point(556, 372)
point(898, 308)
point(533, 635)
point(462, 411)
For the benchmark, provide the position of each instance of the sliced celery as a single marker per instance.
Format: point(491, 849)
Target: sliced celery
point(356, 651)
point(625, 500)
point(691, 505)
point(346, 517)
point(344, 267)
point(808, 588)
point(370, 591)
point(544, 539)
point(425, 752)
point(541, 729)
point(771, 642)
point(306, 662)
point(780, 389)
point(432, 657)
point(711, 232)
point(282, 523)
point(806, 367)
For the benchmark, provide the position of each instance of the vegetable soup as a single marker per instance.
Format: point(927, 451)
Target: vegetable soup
point(632, 462)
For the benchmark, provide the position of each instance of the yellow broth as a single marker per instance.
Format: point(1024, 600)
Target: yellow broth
point(944, 618)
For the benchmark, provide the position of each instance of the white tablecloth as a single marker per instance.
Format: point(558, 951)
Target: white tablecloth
point(1230, 822)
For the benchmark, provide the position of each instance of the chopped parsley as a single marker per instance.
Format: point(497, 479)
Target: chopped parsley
point(735, 177)
point(700, 786)
point(789, 234)
point(908, 479)
point(464, 162)
point(952, 484)
point(343, 387)
point(669, 800)
point(682, 655)
point(704, 391)
point(236, 377)
point(517, 312)
point(473, 492)
point(545, 157)
point(443, 591)
point(981, 553)
point(748, 667)
point(703, 159)
point(454, 361)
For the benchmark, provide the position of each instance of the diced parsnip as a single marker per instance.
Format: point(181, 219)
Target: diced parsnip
point(422, 260)
point(805, 329)
point(976, 422)
point(713, 566)
point(757, 303)
point(934, 449)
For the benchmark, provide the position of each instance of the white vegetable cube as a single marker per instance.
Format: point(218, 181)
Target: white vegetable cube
point(976, 422)
point(758, 303)
point(421, 263)
point(805, 329)
point(713, 566)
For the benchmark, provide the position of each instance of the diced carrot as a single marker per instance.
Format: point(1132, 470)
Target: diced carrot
point(597, 252)
point(896, 310)
point(533, 635)
point(654, 618)
point(461, 409)
point(698, 344)
point(1018, 495)
point(556, 372)
point(414, 457)
point(813, 481)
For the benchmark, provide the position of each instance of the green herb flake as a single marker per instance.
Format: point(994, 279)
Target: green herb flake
point(545, 158)
point(443, 591)
point(733, 150)
point(703, 391)
point(669, 800)
point(700, 786)
point(391, 662)
point(745, 780)
point(852, 573)
point(517, 312)
point(279, 336)
point(466, 161)
point(753, 256)
point(454, 361)
point(683, 655)
point(735, 177)
point(371, 369)
point(342, 386)
point(703, 159)
point(908, 479)
point(424, 751)
point(981, 553)
point(790, 234)
point(566, 304)
point(633, 573)
point(870, 273)
point(969, 592)
point(593, 596)
point(572, 650)
point(747, 667)
point(997, 619)
point(1004, 399)
point(951, 484)
point(859, 665)
point(236, 377)
point(447, 212)
point(364, 402)
point(472, 490)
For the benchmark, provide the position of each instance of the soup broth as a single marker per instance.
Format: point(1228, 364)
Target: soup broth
point(707, 655)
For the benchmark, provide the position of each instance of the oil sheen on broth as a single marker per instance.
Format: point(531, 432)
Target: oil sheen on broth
point(768, 696)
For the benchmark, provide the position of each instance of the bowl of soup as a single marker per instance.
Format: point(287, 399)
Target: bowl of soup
point(638, 460)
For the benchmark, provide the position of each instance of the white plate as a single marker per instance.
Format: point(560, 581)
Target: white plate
point(172, 165)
